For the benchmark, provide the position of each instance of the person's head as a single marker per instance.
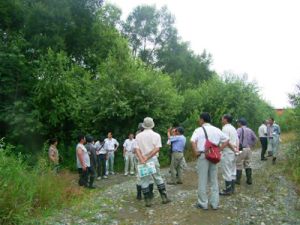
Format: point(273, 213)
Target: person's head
point(101, 139)
point(265, 122)
point(271, 121)
point(140, 127)
point(148, 123)
point(180, 130)
point(53, 141)
point(109, 135)
point(227, 118)
point(81, 138)
point(173, 131)
point(204, 118)
point(242, 122)
point(130, 136)
point(89, 139)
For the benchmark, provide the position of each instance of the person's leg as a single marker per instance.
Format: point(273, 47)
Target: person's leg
point(81, 177)
point(126, 163)
point(92, 173)
point(107, 165)
point(264, 148)
point(202, 169)
point(247, 162)
point(131, 160)
point(179, 167)
point(98, 166)
point(275, 149)
point(146, 191)
point(112, 163)
point(226, 165)
point(173, 170)
point(214, 186)
point(239, 168)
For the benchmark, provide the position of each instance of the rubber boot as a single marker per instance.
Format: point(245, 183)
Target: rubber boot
point(249, 175)
point(228, 188)
point(238, 176)
point(151, 191)
point(92, 178)
point(232, 186)
point(274, 160)
point(138, 192)
point(148, 200)
point(163, 193)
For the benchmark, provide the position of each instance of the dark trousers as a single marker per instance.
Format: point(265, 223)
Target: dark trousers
point(84, 176)
point(101, 165)
point(264, 146)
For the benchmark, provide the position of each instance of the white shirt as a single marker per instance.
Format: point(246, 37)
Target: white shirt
point(215, 135)
point(100, 148)
point(147, 140)
point(129, 145)
point(86, 158)
point(262, 131)
point(231, 132)
point(110, 144)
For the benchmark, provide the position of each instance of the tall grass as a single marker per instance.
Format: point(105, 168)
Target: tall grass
point(29, 191)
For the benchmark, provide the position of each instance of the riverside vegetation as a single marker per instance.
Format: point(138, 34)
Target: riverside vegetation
point(70, 66)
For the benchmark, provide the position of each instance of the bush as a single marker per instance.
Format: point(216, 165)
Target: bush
point(26, 191)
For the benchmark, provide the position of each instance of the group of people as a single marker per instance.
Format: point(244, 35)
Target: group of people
point(143, 151)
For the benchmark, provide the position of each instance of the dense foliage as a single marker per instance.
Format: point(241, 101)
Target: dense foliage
point(70, 66)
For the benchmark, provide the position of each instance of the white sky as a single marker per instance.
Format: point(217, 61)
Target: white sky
point(257, 37)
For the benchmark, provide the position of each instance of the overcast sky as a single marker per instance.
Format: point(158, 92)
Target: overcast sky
point(257, 37)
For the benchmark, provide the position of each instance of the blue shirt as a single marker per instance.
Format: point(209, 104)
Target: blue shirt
point(178, 143)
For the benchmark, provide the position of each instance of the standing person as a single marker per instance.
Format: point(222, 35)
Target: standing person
point(274, 137)
point(83, 162)
point(247, 139)
point(178, 142)
point(128, 154)
point(148, 144)
point(91, 149)
point(53, 154)
point(111, 146)
point(206, 169)
point(138, 179)
point(263, 137)
point(228, 163)
point(101, 159)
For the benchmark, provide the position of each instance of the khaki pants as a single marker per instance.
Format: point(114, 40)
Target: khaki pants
point(145, 181)
point(243, 160)
point(129, 159)
point(207, 171)
point(228, 164)
point(177, 165)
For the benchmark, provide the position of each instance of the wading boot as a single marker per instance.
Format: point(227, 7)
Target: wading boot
point(163, 193)
point(228, 189)
point(232, 186)
point(249, 175)
point(138, 192)
point(274, 160)
point(91, 186)
point(151, 191)
point(238, 176)
point(148, 200)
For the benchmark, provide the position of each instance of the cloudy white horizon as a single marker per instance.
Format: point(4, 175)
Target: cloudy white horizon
point(259, 38)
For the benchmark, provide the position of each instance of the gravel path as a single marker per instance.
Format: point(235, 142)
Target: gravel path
point(270, 200)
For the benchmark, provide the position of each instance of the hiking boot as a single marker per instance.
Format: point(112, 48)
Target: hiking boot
point(249, 175)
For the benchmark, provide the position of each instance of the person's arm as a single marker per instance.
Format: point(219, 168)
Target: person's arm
point(141, 158)
point(169, 133)
point(224, 140)
point(152, 153)
point(195, 149)
point(116, 144)
point(81, 160)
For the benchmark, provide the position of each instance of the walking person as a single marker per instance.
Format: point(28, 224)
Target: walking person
point(228, 160)
point(247, 140)
point(111, 146)
point(83, 162)
point(148, 144)
point(206, 169)
point(101, 159)
point(178, 142)
point(128, 154)
point(274, 138)
point(53, 154)
point(91, 149)
point(263, 137)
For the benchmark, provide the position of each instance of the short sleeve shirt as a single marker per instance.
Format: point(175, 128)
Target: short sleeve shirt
point(215, 135)
point(232, 134)
point(129, 145)
point(86, 158)
point(147, 140)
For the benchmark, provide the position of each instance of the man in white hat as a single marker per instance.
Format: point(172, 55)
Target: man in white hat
point(148, 144)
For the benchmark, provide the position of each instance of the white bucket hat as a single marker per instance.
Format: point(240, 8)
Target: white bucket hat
point(148, 123)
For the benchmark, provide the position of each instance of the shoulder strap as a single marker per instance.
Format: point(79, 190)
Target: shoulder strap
point(242, 136)
point(205, 133)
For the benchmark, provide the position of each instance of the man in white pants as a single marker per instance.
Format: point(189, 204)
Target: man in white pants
point(228, 163)
point(128, 154)
point(206, 169)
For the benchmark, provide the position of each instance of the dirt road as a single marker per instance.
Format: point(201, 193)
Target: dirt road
point(270, 200)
